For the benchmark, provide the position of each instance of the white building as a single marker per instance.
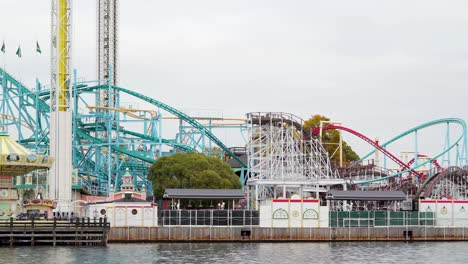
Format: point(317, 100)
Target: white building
point(127, 210)
point(452, 213)
point(293, 212)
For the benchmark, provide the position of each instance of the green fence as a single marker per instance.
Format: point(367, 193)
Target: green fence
point(380, 218)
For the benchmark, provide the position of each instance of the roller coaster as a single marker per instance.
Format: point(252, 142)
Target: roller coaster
point(132, 137)
point(435, 182)
point(107, 140)
point(108, 136)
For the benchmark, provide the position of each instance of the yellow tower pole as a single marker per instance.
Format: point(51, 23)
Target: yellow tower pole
point(63, 56)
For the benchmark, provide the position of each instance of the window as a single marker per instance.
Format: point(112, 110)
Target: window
point(310, 214)
point(280, 214)
point(134, 211)
point(31, 158)
point(103, 211)
point(13, 157)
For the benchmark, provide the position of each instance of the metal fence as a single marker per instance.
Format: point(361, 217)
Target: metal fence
point(208, 217)
point(380, 218)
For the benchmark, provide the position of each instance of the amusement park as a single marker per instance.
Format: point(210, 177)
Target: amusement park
point(75, 148)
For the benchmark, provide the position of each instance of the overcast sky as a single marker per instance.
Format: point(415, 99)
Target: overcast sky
point(380, 67)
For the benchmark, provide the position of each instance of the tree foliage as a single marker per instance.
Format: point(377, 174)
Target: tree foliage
point(330, 140)
point(191, 171)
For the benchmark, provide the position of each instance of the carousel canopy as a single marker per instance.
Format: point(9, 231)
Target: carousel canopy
point(18, 160)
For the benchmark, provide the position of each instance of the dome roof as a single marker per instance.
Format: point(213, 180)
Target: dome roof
point(18, 160)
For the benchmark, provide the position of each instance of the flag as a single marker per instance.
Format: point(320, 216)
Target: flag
point(3, 47)
point(18, 51)
point(38, 49)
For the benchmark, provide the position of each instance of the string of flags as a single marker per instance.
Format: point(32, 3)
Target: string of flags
point(18, 51)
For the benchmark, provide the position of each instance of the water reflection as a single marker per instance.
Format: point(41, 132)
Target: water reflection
point(338, 252)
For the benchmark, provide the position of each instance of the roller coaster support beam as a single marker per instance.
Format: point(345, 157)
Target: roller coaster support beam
point(446, 160)
point(109, 131)
point(340, 144)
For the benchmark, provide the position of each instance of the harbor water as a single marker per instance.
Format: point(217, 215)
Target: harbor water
point(323, 252)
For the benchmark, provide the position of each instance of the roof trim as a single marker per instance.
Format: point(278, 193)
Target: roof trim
point(213, 194)
point(366, 195)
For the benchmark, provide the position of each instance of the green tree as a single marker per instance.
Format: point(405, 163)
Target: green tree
point(191, 171)
point(331, 139)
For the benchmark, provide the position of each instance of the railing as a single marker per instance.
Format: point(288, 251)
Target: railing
point(54, 223)
point(380, 218)
point(208, 217)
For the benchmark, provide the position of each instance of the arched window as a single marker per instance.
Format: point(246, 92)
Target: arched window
point(31, 158)
point(45, 159)
point(13, 157)
point(310, 214)
point(280, 214)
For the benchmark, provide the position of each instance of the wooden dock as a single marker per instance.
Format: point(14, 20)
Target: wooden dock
point(76, 232)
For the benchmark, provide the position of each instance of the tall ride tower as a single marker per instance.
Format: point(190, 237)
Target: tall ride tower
point(107, 75)
point(107, 48)
point(60, 102)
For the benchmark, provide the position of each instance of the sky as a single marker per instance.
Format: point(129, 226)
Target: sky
point(379, 67)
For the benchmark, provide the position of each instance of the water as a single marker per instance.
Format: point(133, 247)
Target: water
point(337, 252)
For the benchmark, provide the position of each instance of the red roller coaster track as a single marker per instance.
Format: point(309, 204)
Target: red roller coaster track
point(375, 144)
point(435, 162)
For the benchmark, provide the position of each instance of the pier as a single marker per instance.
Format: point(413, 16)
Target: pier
point(76, 232)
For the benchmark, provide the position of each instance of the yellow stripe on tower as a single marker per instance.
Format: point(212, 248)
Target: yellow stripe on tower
point(62, 55)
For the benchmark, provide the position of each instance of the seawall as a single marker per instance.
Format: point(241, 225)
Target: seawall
point(260, 234)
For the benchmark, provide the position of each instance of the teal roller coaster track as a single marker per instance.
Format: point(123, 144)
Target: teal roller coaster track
point(105, 141)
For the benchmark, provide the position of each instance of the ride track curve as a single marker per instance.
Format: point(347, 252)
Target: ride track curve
point(45, 108)
point(428, 185)
point(175, 112)
point(375, 144)
point(435, 162)
point(38, 100)
point(429, 124)
point(406, 169)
